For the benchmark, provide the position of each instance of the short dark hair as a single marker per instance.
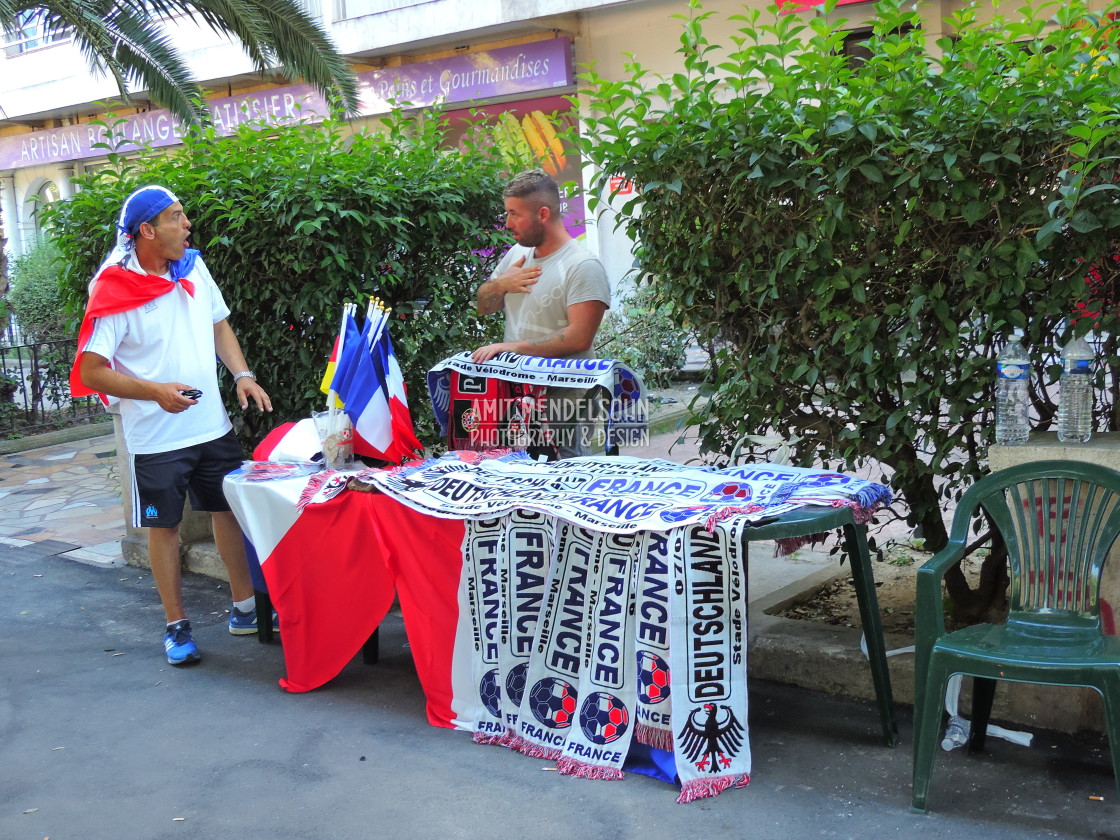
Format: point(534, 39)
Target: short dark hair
point(536, 186)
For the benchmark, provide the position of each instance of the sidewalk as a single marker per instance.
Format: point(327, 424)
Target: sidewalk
point(64, 497)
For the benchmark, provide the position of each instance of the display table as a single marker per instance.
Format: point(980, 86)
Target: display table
point(334, 569)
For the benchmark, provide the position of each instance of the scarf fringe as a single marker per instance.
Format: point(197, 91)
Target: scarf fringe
point(537, 751)
point(727, 512)
point(488, 738)
point(654, 736)
point(574, 767)
point(695, 789)
point(864, 515)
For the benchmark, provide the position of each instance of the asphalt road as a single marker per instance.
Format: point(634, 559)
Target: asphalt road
point(101, 740)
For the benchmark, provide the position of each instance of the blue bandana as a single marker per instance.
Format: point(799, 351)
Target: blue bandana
point(143, 206)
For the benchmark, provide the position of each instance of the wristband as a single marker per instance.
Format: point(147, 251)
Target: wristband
point(243, 374)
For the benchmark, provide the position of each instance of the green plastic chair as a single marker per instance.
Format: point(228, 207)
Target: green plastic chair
point(1058, 519)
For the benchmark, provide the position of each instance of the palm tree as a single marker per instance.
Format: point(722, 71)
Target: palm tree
point(126, 39)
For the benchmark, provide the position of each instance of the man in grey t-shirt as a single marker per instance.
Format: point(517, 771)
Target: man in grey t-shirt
point(554, 293)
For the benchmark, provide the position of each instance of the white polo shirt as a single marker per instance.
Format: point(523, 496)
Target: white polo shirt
point(168, 339)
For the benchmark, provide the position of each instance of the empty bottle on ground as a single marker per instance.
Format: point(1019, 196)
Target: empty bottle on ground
point(1075, 397)
point(1013, 370)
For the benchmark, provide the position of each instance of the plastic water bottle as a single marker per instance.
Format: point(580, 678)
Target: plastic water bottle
point(956, 733)
point(1013, 370)
point(1075, 399)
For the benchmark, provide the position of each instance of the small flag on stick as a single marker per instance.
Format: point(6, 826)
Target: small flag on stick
point(368, 380)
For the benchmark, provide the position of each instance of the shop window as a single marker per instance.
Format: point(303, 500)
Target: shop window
point(856, 46)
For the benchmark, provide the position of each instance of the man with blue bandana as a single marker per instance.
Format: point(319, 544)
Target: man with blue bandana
point(153, 326)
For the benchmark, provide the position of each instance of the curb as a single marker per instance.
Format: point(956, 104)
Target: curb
point(67, 435)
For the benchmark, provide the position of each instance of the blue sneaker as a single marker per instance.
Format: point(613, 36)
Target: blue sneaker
point(242, 623)
point(180, 647)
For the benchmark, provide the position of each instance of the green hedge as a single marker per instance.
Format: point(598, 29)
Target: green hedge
point(34, 294)
point(861, 238)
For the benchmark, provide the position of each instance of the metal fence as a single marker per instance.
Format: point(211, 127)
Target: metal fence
point(35, 389)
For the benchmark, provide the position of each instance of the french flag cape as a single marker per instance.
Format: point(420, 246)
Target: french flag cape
point(118, 289)
point(575, 611)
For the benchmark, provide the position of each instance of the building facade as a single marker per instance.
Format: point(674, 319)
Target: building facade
point(520, 56)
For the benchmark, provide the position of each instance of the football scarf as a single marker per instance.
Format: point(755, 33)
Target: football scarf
point(484, 548)
point(549, 705)
point(619, 494)
point(708, 661)
point(654, 709)
point(529, 543)
point(505, 567)
point(471, 411)
point(486, 413)
point(598, 742)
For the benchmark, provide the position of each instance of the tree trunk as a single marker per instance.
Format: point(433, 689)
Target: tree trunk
point(988, 601)
point(969, 606)
point(923, 499)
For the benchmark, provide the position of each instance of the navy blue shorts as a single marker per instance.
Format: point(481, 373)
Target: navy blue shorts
point(161, 481)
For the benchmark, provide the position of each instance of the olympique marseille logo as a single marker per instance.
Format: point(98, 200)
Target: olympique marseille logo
point(553, 702)
point(710, 739)
point(603, 718)
point(653, 678)
point(490, 692)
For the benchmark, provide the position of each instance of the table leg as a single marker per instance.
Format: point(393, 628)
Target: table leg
point(855, 540)
point(263, 603)
point(371, 650)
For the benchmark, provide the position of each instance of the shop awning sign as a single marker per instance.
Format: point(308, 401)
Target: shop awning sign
point(468, 77)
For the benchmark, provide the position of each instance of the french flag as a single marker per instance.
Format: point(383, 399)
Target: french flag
point(364, 393)
point(369, 382)
point(360, 551)
point(404, 433)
